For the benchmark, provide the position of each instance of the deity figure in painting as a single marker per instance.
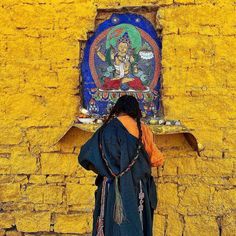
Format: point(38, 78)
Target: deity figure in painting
point(123, 44)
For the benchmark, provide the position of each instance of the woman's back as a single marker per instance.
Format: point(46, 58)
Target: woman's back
point(119, 147)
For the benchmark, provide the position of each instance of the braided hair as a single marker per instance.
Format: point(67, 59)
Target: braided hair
point(129, 105)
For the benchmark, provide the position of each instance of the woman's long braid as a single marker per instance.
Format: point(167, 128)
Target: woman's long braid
point(112, 112)
point(139, 126)
point(141, 196)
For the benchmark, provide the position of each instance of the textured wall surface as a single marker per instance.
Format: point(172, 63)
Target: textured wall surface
point(43, 191)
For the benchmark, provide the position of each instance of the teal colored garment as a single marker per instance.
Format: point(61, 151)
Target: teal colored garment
point(120, 148)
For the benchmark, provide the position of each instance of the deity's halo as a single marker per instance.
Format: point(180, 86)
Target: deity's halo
point(119, 30)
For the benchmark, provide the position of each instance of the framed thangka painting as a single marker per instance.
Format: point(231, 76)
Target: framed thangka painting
point(123, 56)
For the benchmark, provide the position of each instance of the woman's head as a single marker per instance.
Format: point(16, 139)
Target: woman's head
point(129, 105)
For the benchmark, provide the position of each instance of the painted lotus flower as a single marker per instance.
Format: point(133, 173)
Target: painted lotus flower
point(146, 55)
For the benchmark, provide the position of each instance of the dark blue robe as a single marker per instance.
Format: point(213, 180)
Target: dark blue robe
point(120, 148)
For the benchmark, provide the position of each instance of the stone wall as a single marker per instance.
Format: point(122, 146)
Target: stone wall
point(43, 190)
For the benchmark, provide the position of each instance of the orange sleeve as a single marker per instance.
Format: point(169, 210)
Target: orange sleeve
point(156, 156)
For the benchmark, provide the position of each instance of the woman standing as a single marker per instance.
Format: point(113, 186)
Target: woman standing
point(122, 152)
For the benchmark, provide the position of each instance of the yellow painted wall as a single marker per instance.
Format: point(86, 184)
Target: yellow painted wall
point(42, 188)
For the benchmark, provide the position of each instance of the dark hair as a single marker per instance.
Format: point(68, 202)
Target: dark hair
point(127, 104)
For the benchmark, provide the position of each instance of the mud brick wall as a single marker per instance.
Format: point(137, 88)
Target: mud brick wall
point(43, 191)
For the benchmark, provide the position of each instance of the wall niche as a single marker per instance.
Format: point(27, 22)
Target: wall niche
point(123, 56)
